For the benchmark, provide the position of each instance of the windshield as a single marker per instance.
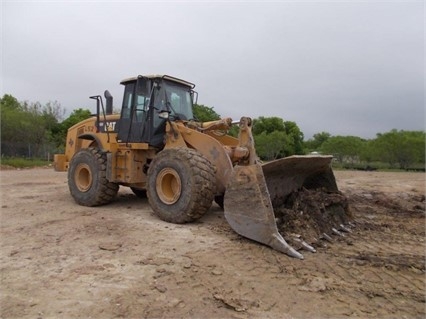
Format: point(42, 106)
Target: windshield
point(179, 100)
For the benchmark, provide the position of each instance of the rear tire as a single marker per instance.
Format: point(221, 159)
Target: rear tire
point(180, 185)
point(87, 178)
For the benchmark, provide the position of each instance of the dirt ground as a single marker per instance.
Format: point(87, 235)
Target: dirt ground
point(61, 260)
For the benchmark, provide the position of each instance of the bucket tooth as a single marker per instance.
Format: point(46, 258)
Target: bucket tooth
point(305, 245)
point(308, 247)
point(338, 233)
point(279, 243)
point(344, 228)
point(327, 237)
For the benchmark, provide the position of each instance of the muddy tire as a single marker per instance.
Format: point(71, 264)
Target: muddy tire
point(180, 185)
point(87, 178)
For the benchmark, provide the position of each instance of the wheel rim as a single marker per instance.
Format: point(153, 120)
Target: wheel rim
point(169, 186)
point(83, 177)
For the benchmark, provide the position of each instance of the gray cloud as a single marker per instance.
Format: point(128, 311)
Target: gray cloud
point(346, 68)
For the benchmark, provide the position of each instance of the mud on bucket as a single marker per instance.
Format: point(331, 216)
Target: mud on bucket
point(254, 190)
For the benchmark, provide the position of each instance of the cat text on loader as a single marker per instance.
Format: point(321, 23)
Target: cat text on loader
point(157, 148)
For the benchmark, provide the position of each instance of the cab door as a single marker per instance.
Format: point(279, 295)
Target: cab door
point(133, 122)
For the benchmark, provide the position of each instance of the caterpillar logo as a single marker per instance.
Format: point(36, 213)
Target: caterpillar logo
point(108, 126)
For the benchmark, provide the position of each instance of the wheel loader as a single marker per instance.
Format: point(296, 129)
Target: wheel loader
point(159, 150)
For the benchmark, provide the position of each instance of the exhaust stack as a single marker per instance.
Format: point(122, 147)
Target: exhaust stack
point(108, 98)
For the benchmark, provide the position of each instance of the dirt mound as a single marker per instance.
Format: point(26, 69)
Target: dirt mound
point(309, 214)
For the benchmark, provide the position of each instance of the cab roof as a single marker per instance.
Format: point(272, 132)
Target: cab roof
point(158, 76)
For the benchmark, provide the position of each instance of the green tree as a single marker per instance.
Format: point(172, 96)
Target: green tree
point(34, 127)
point(400, 148)
point(12, 115)
point(75, 117)
point(28, 128)
point(270, 146)
point(268, 125)
point(315, 143)
point(343, 148)
point(9, 102)
point(294, 139)
point(367, 153)
point(417, 140)
point(205, 113)
point(276, 138)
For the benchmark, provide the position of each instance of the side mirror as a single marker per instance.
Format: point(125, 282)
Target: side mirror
point(163, 115)
point(194, 96)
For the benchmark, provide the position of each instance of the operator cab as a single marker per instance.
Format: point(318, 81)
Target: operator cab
point(148, 103)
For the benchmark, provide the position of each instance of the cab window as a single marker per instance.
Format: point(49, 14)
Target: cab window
point(127, 100)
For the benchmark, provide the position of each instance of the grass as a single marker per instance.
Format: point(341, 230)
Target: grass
point(19, 162)
point(377, 166)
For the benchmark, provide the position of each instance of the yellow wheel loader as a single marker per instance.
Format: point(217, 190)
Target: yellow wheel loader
point(157, 148)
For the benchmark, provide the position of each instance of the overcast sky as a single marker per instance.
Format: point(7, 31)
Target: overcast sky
point(343, 67)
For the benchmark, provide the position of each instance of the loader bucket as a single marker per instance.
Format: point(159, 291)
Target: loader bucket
point(255, 190)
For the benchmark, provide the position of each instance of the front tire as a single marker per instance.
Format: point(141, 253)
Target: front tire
point(87, 178)
point(180, 185)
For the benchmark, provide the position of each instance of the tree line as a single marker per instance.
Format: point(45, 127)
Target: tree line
point(276, 138)
point(34, 130)
point(394, 149)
